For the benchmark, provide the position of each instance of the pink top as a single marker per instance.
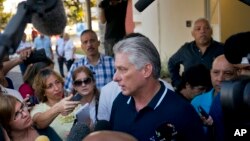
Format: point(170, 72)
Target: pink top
point(25, 89)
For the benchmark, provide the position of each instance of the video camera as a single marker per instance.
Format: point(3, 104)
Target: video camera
point(235, 94)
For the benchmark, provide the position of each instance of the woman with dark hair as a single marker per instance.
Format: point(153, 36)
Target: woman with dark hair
point(16, 120)
point(194, 81)
point(85, 86)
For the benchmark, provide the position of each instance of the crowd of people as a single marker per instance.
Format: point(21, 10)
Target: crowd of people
point(121, 92)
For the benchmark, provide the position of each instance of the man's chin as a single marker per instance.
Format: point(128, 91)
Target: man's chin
point(125, 92)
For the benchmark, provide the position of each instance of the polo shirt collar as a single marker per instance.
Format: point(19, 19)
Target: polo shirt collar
point(156, 101)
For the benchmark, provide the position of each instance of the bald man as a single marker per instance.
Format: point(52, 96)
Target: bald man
point(109, 136)
point(221, 70)
point(202, 50)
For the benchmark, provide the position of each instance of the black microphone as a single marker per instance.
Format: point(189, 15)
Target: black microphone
point(102, 125)
point(78, 132)
point(50, 17)
point(166, 132)
point(236, 47)
point(247, 2)
point(142, 4)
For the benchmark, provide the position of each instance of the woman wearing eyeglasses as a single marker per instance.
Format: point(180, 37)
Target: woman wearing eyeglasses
point(17, 122)
point(53, 110)
point(85, 86)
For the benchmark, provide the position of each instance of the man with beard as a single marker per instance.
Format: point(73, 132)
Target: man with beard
point(200, 51)
point(102, 66)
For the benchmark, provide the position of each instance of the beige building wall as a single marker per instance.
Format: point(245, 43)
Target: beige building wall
point(235, 17)
point(164, 21)
point(174, 15)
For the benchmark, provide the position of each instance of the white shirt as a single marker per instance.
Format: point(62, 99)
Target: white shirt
point(12, 92)
point(59, 44)
point(23, 45)
point(108, 94)
point(68, 49)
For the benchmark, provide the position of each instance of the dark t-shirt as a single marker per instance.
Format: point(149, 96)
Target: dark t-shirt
point(165, 107)
point(115, 17)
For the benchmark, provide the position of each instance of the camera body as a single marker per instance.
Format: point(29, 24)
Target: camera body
point(235, 99)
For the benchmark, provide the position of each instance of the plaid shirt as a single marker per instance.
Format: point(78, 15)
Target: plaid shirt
point(103, 71)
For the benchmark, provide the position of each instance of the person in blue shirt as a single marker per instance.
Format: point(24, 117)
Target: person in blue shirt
point(101, 65)
point(236, 51)
point(221, 71)
point(44, 42)
point(145, 104)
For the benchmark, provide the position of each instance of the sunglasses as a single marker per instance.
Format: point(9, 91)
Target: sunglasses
point(86, 81)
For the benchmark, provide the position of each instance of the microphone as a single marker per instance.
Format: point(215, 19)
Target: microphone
point(48, 16)
point(78, 132)
point(166, 132)
point(236, 48)
point(50, 19)
point(102, 125)
point(247, 2)
point(142, 4)
point(42, 138)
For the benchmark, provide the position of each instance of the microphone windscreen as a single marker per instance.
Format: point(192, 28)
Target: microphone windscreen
point(236, 47)
point(78, 132)
point(42, 138)
point(142, 4)
point(102, 125)
point(53, 21)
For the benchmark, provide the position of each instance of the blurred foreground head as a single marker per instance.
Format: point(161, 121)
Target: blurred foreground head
point(237, 48)
point(109, 136)
point(237, 51)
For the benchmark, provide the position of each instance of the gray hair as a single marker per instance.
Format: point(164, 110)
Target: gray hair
point(141, 51)
point(204, 20)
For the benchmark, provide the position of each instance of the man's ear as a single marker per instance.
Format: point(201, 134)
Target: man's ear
point(147, 70)
point(192, 33)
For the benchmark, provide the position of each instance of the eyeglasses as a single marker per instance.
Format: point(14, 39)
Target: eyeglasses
point(19, 113)
point(86, 81)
